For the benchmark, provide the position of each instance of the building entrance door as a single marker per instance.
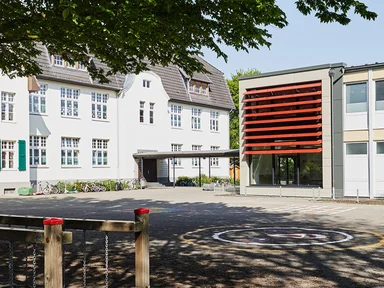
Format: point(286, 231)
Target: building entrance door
point(150, 170)
point(286, 169)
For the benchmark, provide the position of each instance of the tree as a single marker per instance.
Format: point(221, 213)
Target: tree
point(127, 34)
point(233, 85)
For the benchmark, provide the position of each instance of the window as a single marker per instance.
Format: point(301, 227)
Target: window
point(357, 97)
point(8, 154)
point(99, 152)
point(356, 148)
point(146, 83)
point(37, 150)
point(7, 106)
point(37, 100)
point(151, 112)
point(175, 116)
point(214, 160)
point(69, 102)
point(195, 161)
point(380, 148)
point(204, 90)
point(176, 161)
point(81, 65)
point(214, 121)
point(191, 86)
point(70, 151)
point(198, 87)
point(379, 95)
point(99, 106)
point(142, 105)
point(69, 65)
point(196, 118)
point(58, 60)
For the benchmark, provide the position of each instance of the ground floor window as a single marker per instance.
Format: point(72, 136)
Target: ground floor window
point(99, 152)
point(69, 151)
point(38, 150)
point(8, 152)
point(174, 148)
point(195, 161)
point(292, 169)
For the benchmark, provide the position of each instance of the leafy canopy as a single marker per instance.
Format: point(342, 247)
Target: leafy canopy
point(123, 33)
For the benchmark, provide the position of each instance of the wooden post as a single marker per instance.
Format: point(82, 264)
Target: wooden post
point(142, 248)
point(53, 256)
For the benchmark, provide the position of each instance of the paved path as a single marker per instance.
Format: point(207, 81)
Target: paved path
point(202, 240)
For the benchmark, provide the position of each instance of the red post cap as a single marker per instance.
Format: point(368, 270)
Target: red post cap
point(141, 211)
point(53, 221)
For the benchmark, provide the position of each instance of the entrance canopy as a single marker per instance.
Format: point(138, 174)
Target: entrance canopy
point(234, 153)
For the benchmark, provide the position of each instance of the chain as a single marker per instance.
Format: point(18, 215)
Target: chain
point(34, 265)
point(26, 262)
point(63, 264)
point(11, 264)
point(106, 260)
point(84, 260)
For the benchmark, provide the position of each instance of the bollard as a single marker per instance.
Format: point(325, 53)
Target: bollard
point(357, 195)
point(142, 248)
point(53, 252)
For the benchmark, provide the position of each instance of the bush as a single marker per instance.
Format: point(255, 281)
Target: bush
point(184, 180)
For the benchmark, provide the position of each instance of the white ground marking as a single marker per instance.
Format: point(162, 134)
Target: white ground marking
point(313, 209)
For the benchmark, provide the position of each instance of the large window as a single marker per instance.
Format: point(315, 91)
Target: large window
point(100, 152)
point(69, 151)
point(214, 160)
point(379, 95)
point(7, 106)
point(69, 102)
point(37, 100)
point(142, 105)
point(8, 154)
point(356, 148)
point(195, 161)
point(175, 116)
point(176, 147)
point(196, 118)
point(38, 150)
point(151, 113)
point(99, 106)
point(214, 121)
point(356, 97)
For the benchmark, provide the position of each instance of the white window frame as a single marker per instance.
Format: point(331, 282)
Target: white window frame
point(39, 144)
point(99, 106)
point(69, 98)
point(195, 161)
point(58, 60)
point(8, 154)
point(100, 149)
point(176, 116)
point(176, 161)
point(70, 152)
point(8, 106)
point(196, 118)
point(214, 121)
point(151, 113)
point(214, 160)
point(142, 112)
point(356, 103)
point(356, 143)
point(81, 66)
point(38, 100)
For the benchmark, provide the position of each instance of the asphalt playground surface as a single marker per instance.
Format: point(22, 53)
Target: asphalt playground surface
point(201, 239)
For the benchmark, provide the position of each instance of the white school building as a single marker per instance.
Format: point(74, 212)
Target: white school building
point(64, 126)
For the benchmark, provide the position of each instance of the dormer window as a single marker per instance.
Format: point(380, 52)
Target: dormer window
point(58, 61)
point(146, 83)
point(81, 66)
point(198, 87)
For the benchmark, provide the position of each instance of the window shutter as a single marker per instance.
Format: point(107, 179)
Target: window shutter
point(0, 156)
point(22, 156)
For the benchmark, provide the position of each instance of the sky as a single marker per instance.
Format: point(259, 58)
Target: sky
point(306, 42)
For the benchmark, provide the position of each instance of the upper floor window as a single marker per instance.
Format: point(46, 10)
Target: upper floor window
point(142, 105)
point(357, 97)
point(37, 100)
point(146, 83)
point(175, 115)
point(70, 151)
point(100, 152)
point(69, 102)
point(58, 60)
point(7, 106)
point(37, 150)
point(99, 106)
point(379, 95)
point(176, 147)
point(198, 87)
point(8, 152)
point(195, 161)
point(214, 121)
point(379, 147)
point(356, 148)
point(196, 118)
point(151, 113)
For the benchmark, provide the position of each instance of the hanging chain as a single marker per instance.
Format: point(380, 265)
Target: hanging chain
point(84, 260)
point(34, 266)
point(26, 262)
point(11, 264)
point(106, 260)
point(63, 264)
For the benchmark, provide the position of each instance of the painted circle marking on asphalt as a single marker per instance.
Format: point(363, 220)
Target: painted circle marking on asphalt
point(346, 238)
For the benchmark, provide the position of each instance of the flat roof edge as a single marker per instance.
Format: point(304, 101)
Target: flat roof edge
point(364, 67)
point(294, 70)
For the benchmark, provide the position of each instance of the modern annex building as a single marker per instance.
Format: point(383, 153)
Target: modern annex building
point(314, 130)
point(64, 126)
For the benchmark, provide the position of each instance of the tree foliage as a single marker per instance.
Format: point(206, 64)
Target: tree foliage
point(123, 33)
point(233, 85)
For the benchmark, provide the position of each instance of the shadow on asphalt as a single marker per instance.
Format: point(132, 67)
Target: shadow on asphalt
point(175, 263)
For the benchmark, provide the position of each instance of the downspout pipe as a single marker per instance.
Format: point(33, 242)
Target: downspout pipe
point(331, 74)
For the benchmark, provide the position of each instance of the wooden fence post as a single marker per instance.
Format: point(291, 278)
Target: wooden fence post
point(53, 246)
point(142, 249)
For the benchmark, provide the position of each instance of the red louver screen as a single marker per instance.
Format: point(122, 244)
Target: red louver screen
point(283, 120)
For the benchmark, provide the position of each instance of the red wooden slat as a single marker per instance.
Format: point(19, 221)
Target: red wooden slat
point(278, 136)
point(290, 143)
point(284, 88)
point(283, 128)
point(282, 104)
point(318, 117)
point(278, 151)
point(317, 109)
point(269, 98)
